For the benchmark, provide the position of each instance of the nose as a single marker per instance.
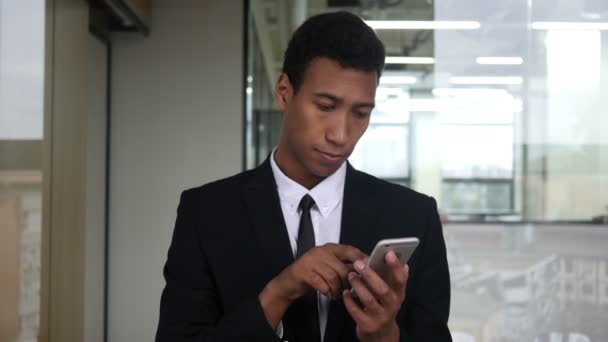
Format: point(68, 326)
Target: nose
point(337, 132)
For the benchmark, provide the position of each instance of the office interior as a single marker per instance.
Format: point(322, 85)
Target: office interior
point(110, 108)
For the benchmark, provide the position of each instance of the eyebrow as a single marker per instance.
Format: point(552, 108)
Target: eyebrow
point(339, 100)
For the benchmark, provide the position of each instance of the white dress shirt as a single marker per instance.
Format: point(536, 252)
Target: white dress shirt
point(326, 217)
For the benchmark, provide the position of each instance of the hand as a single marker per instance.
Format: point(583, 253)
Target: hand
point(380, 300)
point(321, 268)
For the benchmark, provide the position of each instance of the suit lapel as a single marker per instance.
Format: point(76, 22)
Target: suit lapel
point(359, 211)
point(358, 216)
point(264, 210)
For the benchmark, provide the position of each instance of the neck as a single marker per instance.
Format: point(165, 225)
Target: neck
point(293, 169)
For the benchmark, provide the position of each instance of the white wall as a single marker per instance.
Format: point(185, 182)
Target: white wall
point(177, 123)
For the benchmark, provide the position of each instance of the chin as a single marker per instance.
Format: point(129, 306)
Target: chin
point(317, 168)
point(322, 171)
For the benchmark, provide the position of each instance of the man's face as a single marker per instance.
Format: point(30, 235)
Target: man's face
point(326, 118)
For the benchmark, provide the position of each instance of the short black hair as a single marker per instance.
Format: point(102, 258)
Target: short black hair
point(340, 36)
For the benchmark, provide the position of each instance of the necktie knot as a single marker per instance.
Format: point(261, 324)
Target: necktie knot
point(306, 203)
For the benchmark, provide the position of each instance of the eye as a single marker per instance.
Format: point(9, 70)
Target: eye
point(325, 107)
point(361, 114)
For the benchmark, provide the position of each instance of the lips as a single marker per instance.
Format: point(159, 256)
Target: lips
point(331, 158)
point(331, 155)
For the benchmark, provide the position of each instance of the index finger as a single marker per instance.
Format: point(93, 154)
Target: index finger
point(346, 252)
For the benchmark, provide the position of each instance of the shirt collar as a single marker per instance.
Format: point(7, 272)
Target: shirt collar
point(327, 194)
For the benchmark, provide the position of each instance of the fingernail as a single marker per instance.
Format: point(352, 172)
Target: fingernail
point(359, 265)
point(391, 256)
point(351, 275)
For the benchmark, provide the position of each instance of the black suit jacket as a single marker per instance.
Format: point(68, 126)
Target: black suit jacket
point(230, 240)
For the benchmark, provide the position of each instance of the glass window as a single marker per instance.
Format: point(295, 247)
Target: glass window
point(477, 151)
point(477, 197)
point(21, 69)
point(22, 36)
point(382, 151)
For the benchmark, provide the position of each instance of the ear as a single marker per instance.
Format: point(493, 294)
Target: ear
point(283, 92)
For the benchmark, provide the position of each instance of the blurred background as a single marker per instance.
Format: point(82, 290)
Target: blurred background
point(110, 108)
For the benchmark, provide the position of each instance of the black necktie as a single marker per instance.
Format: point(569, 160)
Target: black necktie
point(305, 321)
point(306, 233)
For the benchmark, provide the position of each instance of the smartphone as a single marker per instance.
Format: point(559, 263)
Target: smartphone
point(403, 248)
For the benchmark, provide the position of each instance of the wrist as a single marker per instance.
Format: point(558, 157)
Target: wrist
point(390, 333)
point(273, 303)
point(274, 295)
point(280, 291)
point(394, 332)
point(283, 290)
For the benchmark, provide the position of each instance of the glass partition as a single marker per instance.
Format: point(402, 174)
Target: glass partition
point(538, 283)
point(495, 109)
point(498, 110)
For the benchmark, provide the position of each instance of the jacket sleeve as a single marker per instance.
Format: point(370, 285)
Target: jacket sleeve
point(427, 302)
point(190, 306)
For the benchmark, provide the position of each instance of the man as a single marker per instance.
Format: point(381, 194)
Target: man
point(279, 252)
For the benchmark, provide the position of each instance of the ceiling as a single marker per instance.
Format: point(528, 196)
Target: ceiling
point(504, 31)
point(274, 20)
